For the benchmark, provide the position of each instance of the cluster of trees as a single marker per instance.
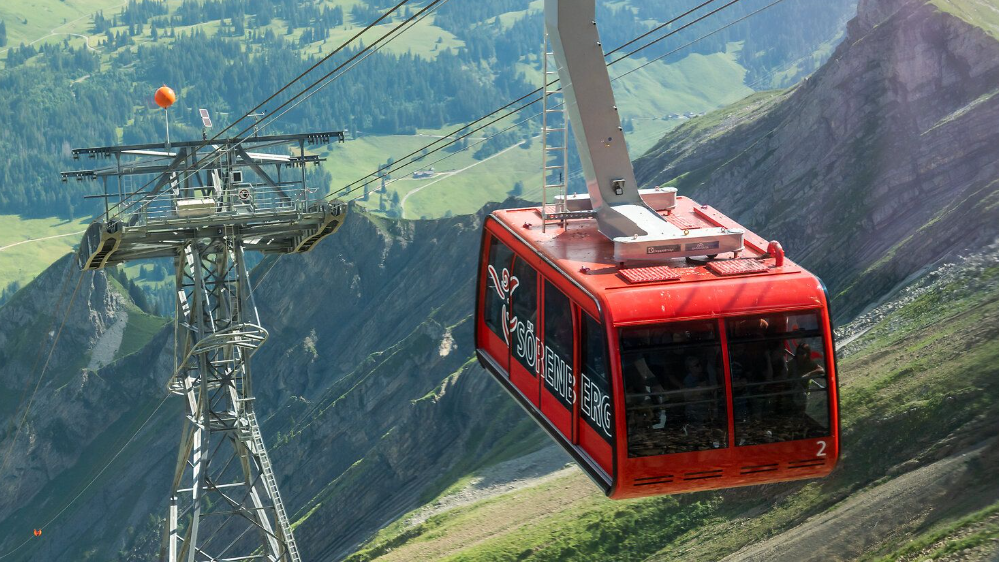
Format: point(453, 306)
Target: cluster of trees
point(7, 292)
point(3, 34)
point(135, 292)
point(44, 116)
point(496, 144)
point(295, 13)
point(140, 11)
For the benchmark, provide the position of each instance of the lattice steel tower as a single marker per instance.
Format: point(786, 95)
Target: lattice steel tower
point(204, 212)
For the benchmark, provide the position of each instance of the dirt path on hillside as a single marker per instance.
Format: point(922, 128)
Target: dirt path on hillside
point(871, 516)
point(54, 31)
point(2, 248)
point(530, 470)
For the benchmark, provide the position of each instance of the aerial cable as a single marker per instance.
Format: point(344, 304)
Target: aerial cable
point(456, 131)
point(674, 51)
point(340, 48)
point(396, 34)
point(673, 32)
point(657, 28)
point(411, 23)
point(378, 173)
point(363, 52)
point(486, 139)
point(440, 148)
point(705, 36)
point(313, 67)
point(38, 357)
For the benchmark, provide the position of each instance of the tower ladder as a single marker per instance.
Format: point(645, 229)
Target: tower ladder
point(554, 142)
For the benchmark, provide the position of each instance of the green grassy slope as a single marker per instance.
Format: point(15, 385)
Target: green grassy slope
point(925, 370)
point(30, 21)
point(980, 13)
point(28, 246)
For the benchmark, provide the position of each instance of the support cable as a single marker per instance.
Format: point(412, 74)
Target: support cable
point(616, 78)
point(200, 165)
point(318, 85)
point(38, 356)
point(350, 188)
point(334, 52)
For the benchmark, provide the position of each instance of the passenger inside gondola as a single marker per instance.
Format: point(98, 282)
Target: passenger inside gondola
point(778, 395)
point(675, 402)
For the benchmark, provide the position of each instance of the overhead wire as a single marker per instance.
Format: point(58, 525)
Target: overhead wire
point(669, 22)
point(402, 162)
point(657, 28)
point(673, 32)
point(702, 37)
point(94, 479)
point(38, 357)
point(322, 83)
point(614, 79)
point(249, 113)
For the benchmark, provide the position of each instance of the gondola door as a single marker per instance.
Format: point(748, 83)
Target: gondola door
point(525, 345)
point(558, 380)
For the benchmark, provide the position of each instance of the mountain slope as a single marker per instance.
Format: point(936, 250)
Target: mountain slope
point(920, 404)
point(880, 163)
point(104, 379)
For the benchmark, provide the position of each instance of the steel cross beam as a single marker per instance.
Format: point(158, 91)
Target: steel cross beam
point(225, 503)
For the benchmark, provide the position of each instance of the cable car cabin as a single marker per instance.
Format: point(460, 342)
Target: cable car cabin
point(660, 378)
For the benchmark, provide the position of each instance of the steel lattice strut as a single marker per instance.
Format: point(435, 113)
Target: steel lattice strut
point(225, 497)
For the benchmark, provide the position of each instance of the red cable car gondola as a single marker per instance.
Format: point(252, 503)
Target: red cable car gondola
point(658, 368)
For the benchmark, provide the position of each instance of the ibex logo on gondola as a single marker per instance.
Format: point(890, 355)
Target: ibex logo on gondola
point(505, 285)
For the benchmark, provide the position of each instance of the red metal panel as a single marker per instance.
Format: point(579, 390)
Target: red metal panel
point(724, 468)
point(596, 447)
point(559, 416)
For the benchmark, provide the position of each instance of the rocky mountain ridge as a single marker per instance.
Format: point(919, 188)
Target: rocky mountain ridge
point(880, 163)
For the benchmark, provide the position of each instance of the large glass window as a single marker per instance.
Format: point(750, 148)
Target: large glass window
point(498, 287)
point(525, 311)
point(779, 384)
point(673, 376)
point(595, 386)
point(559, 379)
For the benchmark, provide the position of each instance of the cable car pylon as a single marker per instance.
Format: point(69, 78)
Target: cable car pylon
point(224, 502)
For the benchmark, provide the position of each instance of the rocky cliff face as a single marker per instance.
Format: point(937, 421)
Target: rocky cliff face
point(372, 355)
point(880, 163)
point(86, 403)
